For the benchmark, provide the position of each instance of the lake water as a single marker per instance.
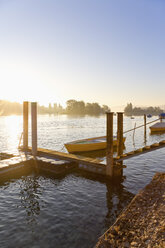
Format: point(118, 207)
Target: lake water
point(74, 211)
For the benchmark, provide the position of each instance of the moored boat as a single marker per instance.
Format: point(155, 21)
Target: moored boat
point(158, 127)
point(162, 116)
point(91, 144)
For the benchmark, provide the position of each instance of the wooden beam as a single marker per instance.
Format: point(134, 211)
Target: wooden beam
point(34, 127)
point(109, 157)
point(69, 157)
point(140, 151)
point(145, 132)
point(25, 125)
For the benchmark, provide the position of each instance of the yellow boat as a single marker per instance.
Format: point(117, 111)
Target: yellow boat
point(91, 144)
point(158, 127)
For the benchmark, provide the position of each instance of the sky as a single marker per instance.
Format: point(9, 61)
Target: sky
point(106, 51)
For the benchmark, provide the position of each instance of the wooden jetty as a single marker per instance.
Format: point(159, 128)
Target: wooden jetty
point(60, 163)
point(19, 164)
point(112, 168)
point(67, 161)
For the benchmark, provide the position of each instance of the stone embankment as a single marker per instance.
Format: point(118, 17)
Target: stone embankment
point(142, 223)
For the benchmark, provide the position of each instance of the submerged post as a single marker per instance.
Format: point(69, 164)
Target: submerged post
point(145, 128)
point(109, 155)
point(34, 127)
point(25, 125)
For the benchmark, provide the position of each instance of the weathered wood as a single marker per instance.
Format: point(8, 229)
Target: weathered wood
point(69, 157)
point(109, 155)
point(119, 142)
point(119, 133)
point(140, 151)
point(25, 125)
point(34, 127)
point(145, 132)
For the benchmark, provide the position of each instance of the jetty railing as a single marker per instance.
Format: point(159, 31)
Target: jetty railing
point(140, 126)
point(20, 140)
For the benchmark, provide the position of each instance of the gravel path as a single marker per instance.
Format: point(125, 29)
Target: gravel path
point(142, 223)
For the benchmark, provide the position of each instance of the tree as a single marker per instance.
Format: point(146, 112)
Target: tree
point(70, 106)
point(128, 109)
point(105, 108)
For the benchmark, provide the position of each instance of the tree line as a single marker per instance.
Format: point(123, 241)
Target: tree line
point(80, 107)
point(129, 110)
point(73, 107)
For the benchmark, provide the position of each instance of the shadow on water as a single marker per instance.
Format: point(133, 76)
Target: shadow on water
point(117, 198)
point(98, 153)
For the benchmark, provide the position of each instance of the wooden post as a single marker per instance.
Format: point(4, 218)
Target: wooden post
point(118, 168)
point(25, 125)
point(34, 127)
point(109, 155)
point(119, 133)
point(145, 128)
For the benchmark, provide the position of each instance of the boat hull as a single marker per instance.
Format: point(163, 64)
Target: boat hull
point(88, 145)
point(158, 127)
point(158, 130)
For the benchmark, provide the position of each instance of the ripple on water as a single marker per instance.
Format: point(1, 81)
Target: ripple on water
point(38, 211)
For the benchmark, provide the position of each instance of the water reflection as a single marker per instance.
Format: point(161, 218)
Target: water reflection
point(98, 154)
point(30, 192)
point(56, 211)
point(10, 131)
point(117, 198)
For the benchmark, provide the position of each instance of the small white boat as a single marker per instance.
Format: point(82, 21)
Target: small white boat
point(91, 144)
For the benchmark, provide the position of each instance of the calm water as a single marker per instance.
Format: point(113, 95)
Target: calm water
point(40, 211)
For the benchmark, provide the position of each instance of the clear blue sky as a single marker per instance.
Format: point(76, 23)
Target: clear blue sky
point(106, 51)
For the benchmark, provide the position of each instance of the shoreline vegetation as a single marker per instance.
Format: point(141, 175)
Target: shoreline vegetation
point(129, 110)
point(74, 107)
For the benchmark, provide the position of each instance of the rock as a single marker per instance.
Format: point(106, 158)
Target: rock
point(142, 223)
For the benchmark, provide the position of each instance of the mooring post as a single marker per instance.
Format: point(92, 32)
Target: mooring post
point(109, 155)
point(119, 172)
point(119, 133)
point(145, 128)
point(34, 127)
point(25, 125)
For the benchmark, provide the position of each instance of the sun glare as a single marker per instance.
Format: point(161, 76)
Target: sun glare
point(13, 130)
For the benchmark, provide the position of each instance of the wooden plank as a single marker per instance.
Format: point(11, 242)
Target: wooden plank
point(140, 151)
point(145, 148)
point(155, 145)
point(69, 157)
point(162, 142)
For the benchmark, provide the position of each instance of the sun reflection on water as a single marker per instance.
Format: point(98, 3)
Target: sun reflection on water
point(13, 129)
